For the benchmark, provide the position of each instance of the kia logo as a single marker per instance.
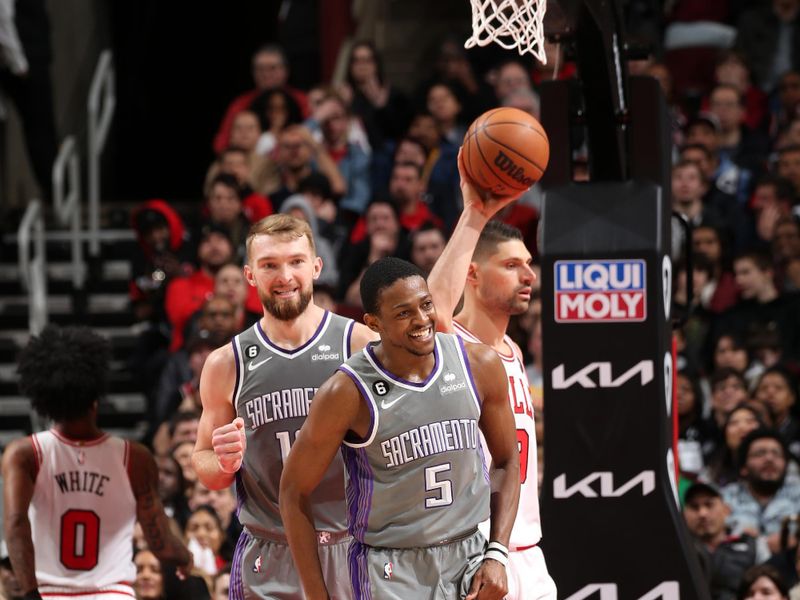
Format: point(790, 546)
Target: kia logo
point(601, 374)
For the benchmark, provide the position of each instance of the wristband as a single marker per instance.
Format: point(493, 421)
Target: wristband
point(496, 555)
point(499, 547)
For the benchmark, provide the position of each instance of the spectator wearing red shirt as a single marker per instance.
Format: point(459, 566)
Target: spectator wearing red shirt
point(721, 292)
point(732, 69)
point(270, 71)
point(158, 257)
point(185, 295)
point(407, 188)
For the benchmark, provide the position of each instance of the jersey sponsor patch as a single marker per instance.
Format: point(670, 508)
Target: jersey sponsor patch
point(451, 385)
point(600, 291)
point(325, 353)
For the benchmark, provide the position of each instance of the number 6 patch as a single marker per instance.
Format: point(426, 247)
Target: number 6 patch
point(251, 351)
point(381, 388)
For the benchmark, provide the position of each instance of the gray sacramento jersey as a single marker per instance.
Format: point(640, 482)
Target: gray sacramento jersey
point(418, 478)
point(273, 393)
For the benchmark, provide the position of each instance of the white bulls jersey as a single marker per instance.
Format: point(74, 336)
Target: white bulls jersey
point(82, 515)
point(527, 529)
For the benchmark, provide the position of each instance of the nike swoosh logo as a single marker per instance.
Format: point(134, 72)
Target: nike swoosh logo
point(252, 366)
point(385, 404)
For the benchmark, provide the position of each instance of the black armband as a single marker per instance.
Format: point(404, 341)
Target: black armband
point(32, 595)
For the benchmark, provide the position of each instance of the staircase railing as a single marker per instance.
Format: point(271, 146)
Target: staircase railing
point(66, 201)
point(101, 105)
point(33, 270)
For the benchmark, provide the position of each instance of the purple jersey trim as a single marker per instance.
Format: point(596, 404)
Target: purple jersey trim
point(236, 589)
point(483, 462)
point(310, 341)
point(359, 574)
point(348, 345)
point(360, 484)
point(241, 494)
point(463, 349)
point(437, 359)
point(351, 437)
point(238, 383)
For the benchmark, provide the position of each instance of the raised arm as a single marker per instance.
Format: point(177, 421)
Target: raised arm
point(499, 430)
point(446, 280)
point(19, 479)
point(220, 446)
point(336, 409)
point(143, 475)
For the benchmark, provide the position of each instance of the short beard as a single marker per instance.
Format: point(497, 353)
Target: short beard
point(767, 487)
point(515, 306)
point(286, 310)
point(511, 305)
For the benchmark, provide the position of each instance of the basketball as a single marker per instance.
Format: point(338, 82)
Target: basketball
point(505, 151)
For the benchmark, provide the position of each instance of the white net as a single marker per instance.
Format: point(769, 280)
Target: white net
point(509, 23)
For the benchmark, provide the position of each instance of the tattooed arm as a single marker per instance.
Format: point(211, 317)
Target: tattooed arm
point(162, 542)
point(19, 475)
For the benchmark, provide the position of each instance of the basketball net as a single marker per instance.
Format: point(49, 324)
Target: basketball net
point(509, 23)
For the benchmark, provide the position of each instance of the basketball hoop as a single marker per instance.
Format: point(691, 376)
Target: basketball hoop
point(511, 24)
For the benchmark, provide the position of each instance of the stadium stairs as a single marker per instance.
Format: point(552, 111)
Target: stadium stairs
point(102, 305)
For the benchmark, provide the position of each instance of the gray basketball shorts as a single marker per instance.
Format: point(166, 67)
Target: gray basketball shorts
point(265, 569)
point(441, 572)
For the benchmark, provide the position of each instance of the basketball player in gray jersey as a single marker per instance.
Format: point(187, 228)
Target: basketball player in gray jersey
point(408, 412)
point(256, 394)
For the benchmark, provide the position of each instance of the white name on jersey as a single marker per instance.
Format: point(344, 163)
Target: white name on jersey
point(81, 481)
point(427, 440)
point(278, 405)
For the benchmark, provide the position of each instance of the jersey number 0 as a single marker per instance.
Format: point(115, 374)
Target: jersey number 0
point(80, 539)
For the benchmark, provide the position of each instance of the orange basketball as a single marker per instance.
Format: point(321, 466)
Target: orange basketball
point(505, 151)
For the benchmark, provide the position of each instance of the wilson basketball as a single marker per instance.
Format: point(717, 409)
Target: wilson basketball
point(505, 151)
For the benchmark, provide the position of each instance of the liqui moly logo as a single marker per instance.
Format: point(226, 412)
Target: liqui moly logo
point(600, 291)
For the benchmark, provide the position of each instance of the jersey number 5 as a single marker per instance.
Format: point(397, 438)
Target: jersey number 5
point(443, 488)
point(80, 539)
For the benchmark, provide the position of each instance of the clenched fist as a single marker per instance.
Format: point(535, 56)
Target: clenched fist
point(229, 445)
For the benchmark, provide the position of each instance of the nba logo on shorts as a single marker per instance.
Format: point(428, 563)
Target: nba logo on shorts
point(257, 565)
point(388, 570)
point(600, 291)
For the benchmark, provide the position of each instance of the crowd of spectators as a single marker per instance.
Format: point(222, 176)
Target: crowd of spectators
point(371, 165)
point(735, 179)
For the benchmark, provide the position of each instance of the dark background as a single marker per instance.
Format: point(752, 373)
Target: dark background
point(177, 69)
